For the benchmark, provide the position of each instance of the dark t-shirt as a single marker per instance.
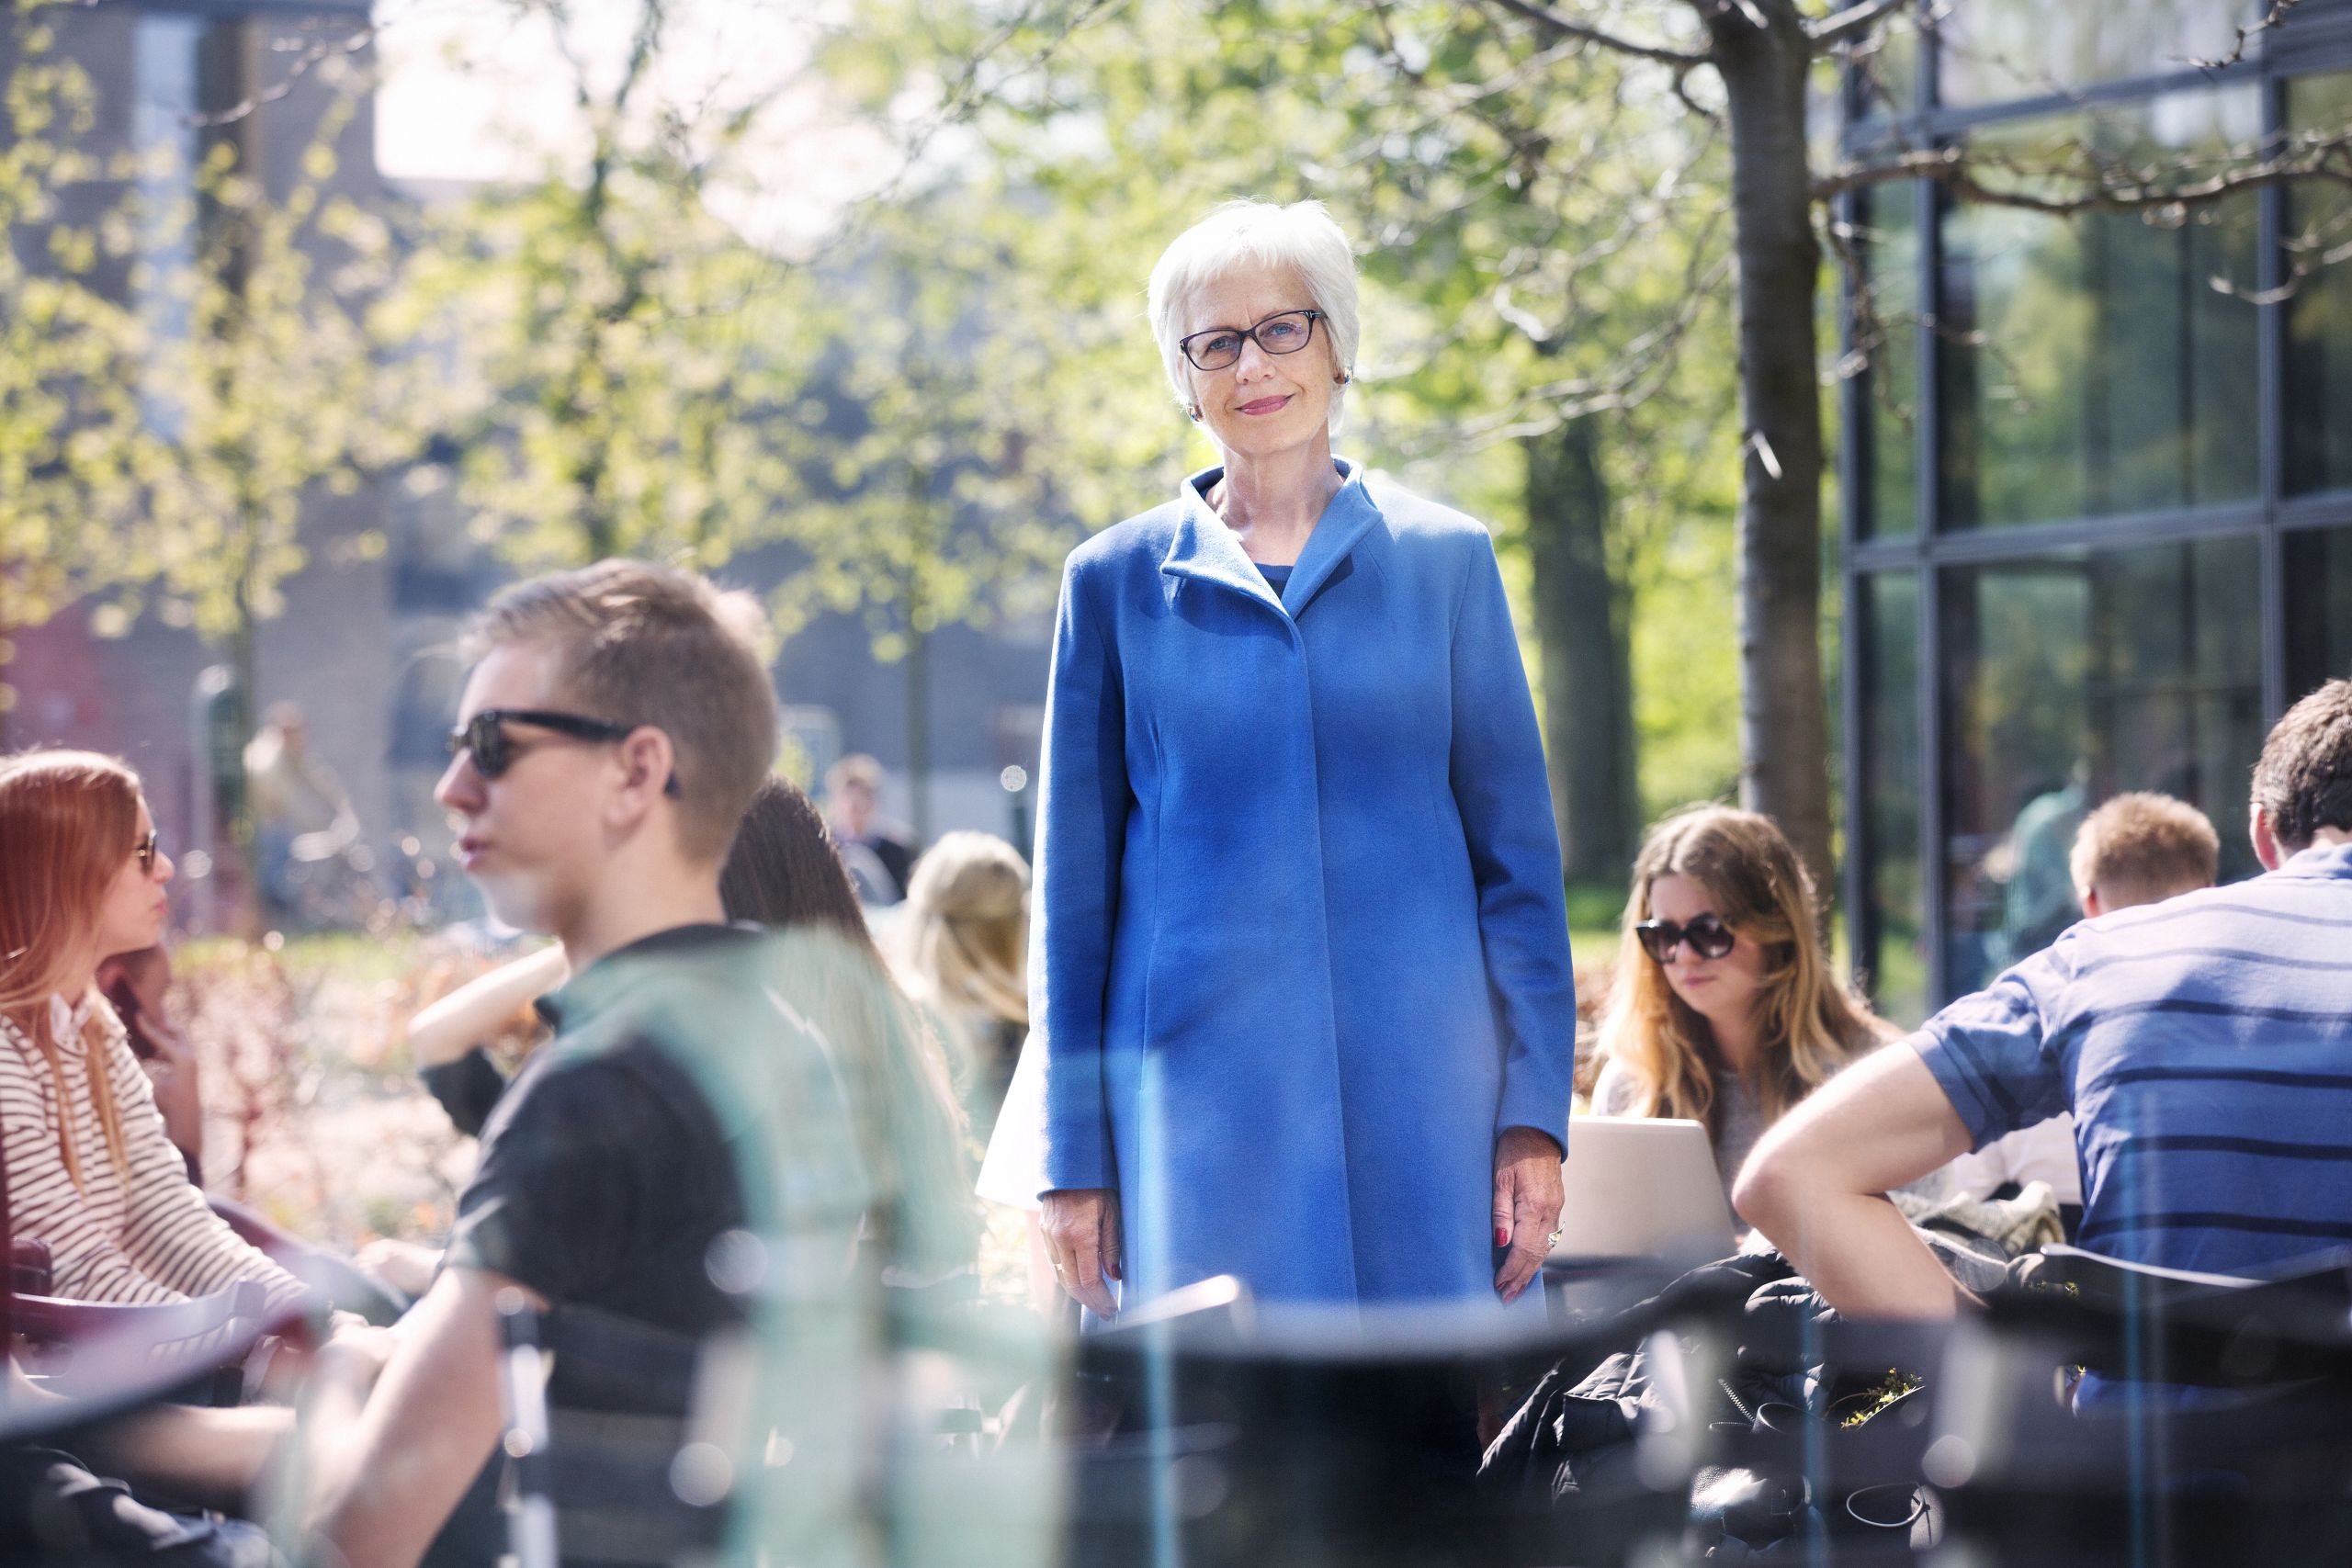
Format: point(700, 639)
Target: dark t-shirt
point(469, 1090)
point(603, 1181)
point(605, 1176)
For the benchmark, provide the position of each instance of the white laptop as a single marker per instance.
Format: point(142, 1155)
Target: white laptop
point(1642, 1187)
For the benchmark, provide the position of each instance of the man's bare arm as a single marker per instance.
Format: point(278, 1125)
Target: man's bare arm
point(387, 1468)
point(1818, 1181)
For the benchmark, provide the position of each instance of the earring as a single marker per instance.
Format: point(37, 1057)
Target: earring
point(1341, 380)
point(1193, 411)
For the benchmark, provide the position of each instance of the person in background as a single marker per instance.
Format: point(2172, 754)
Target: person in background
point(1303, 979)
point(880, 854)
point(300, 810)
point(90, 1169)
point(1724, 1008)
point(2199, 1042)
point(136, 984)
point(963, 941)
point(2137, 849)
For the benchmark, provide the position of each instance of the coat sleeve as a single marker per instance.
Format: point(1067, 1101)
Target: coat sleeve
point(1081, 832)
point(1505, 798)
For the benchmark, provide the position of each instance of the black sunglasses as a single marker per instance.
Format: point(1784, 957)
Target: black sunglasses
point(145, 849)
point(1708, 936)
point(494, 751)
point(1284, 332)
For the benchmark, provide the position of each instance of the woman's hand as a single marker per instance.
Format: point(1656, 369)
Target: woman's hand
point(1081, 1230)
point(1527, 1205)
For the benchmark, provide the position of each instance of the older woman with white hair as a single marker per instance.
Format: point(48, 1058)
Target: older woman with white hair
point(1300, 962)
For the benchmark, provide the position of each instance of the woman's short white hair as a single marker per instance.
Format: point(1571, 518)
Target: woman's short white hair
point(1301, 236)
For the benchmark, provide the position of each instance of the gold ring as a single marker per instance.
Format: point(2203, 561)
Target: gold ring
point(1555, 1238)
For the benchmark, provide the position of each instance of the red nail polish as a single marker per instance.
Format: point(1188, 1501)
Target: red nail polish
point(1502, 1236)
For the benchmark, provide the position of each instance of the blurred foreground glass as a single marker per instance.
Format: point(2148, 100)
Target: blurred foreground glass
point(2073, 678)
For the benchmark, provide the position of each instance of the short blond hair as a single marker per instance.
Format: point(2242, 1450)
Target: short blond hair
point(640, 644)
point(2143, 847)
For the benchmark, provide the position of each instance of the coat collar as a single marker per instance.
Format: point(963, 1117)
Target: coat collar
point(1207, 549)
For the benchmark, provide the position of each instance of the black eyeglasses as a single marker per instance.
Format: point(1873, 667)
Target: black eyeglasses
point(1708, 936)
point(1284, 332)
point(494, 751)
point(146, 850)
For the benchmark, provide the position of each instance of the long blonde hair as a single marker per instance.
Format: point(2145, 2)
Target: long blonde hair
point(1808, 1023)
point(67, 819)
point(966, 927)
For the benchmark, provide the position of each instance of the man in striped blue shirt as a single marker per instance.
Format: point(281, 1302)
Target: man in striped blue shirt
point(2204, 1046)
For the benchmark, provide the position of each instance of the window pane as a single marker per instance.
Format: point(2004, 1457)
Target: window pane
point(2319, 313)
point(1886, 326)
point(2000, 50)
point(2319, 608)
point(2091, 366)
point(1886, 71)
point(2068, 679)
point(1896, 960)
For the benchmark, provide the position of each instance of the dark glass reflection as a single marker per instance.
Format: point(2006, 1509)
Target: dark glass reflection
point(1893, 957)
point(2319, 608)
point(2318, 404)
point(1887, 329)
point(2090, 365)
point(2067, 680)
point(1998, 50)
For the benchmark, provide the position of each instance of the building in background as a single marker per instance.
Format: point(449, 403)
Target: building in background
point(2097, 510)
point(365, 645)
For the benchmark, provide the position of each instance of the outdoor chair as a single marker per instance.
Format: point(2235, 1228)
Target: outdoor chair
point(2223, 1433)
point(200, 1347)
point(608, 1478)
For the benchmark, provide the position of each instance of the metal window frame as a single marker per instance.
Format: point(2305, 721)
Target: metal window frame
point(2309, 43)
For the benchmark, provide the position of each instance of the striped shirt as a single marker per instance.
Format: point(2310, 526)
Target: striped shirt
point(152, 1238)
point(2204, 1046)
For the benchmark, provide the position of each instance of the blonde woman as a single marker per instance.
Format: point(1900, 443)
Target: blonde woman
point(962, 938)
point(1725, 1010)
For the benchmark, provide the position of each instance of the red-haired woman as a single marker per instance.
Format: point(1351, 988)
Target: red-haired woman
point(90, 1170)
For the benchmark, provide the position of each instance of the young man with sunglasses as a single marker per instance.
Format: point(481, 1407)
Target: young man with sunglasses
point(612, 734)
point(2200, 1044)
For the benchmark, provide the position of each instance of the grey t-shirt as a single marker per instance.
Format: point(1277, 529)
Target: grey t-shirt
point(1739, 1115)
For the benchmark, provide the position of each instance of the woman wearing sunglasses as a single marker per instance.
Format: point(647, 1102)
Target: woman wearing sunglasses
point(90, 1170)
point(1724, 1008)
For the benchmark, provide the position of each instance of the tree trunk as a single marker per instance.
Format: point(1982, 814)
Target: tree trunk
point(1784, 742)
point(1581, 620)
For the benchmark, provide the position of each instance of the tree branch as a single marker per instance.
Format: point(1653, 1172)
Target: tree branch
point(1957, 169)
point(2270, 18)
point(1561, 27)
point(1852, 22)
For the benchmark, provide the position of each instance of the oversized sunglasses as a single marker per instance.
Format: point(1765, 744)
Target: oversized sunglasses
point(484, 738)
point(146, 850)
point(1284, 332)
point(1708, 936)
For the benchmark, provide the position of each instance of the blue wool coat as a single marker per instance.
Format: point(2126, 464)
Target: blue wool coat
point(1302, 948)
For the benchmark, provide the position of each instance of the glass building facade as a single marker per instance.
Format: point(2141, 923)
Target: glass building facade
point(2098, 496)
